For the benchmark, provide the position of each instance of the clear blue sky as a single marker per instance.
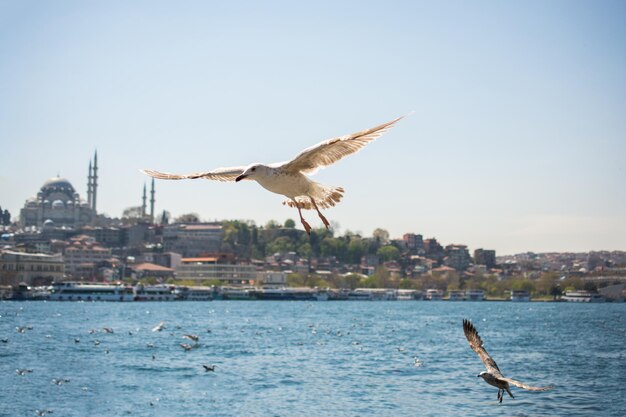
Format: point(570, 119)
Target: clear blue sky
point(517, 141)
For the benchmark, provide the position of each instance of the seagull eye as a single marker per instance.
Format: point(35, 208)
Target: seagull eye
point(253, 169)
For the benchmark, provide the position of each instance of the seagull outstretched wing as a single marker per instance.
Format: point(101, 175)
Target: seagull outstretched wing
point(528, 387)
point(219, 174)
point(476, 343)
point(332, 150)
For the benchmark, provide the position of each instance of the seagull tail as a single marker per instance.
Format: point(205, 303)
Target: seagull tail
point(324, 196)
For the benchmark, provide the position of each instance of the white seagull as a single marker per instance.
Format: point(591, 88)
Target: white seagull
point(290, 178)
point(492, 376)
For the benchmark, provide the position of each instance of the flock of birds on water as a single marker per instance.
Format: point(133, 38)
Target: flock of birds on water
point(492, 376)
point(290, 179)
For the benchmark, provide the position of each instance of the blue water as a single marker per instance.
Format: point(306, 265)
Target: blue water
point(310, 359)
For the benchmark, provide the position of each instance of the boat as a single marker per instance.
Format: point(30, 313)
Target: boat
point(160, 292)
point(237, 293)
point(373, 294)
point(474, 295)
point(583, 297)
point(286, 293)
point(185, 293)
point(434, 294)
point(520, 295)
point(409, 295)
point(456, 295)
point(81, 291)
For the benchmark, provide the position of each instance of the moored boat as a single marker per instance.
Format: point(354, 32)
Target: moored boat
point(81, 291)
point(583, 297)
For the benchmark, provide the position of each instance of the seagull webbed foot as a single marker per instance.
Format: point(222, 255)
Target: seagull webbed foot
point(307, 227)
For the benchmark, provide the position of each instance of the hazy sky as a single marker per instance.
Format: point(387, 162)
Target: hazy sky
point(517, 141)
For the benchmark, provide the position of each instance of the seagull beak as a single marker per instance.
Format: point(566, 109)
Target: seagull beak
point(241, 177)
point(477, 375)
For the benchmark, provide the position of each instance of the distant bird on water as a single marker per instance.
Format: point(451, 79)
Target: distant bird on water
point(290, 178)
point(492, 376)
point(209, 368)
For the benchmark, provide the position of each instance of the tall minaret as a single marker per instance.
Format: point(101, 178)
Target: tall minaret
point(94, 184)
point(89, 190)
point(143, 204)
point(152, 203)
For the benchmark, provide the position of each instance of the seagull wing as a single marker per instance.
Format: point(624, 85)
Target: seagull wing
point(528, 387)
point(219, 174)
point(476, 343)
point(332, 150)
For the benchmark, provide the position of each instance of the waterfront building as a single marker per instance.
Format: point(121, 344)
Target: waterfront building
point(457, 257)
point(485, 257)
point(30, 268)
point(272, 278)
point(210, 268)
point(150, 270)
point(194, 239)
point(414, 243)
point(83, 255)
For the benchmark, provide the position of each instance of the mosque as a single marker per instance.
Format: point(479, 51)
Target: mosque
point(58, 204)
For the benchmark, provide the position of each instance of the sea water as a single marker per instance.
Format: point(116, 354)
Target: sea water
point(295, 358)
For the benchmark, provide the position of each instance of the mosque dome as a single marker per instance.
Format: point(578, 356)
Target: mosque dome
point(58, 184)
point(58, 204)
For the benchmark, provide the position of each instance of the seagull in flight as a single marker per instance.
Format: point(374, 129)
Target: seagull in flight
point(290, 178)
point(492, 376)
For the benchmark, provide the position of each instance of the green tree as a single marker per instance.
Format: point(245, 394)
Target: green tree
point(381, 235)
point(188, 218)
point(388, 253)
point(356, 250)
point(290, 224)
point(281, 244)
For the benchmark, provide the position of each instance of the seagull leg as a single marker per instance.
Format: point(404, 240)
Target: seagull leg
point(326, 223)
point(307, 227)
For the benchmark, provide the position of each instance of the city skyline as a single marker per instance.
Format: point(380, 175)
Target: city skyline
point(516, 142)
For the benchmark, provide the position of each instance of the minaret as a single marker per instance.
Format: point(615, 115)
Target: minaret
point(143, 204)
point(89, 190)
point(152, 203)
point(94, 184)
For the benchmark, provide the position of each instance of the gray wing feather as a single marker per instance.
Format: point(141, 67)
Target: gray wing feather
point(219, 174)
point(524, 386)
point(476, 343)
point(330, 151)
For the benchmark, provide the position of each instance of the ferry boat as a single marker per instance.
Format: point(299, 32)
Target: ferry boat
point(456, 295)
point(583, 297)
point(434, 294)
point(159, 292)
point(80, 291)
point(194, 293)
point(520, 295)
point(285, 293)
point(409, 295)
point(237, 293)
point(373, 294)
point(474, 295)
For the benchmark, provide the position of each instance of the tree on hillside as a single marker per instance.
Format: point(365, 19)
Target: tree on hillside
point(290, 224)
point(188, 218)
point(388, 253)
point(381, 235)
point(6, 217)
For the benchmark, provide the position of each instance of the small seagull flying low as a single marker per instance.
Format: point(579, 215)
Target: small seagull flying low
point(290, 178)
point(492, 376)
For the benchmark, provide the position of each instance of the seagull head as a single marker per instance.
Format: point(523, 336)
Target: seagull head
point(252, 172)
point(482, 374)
